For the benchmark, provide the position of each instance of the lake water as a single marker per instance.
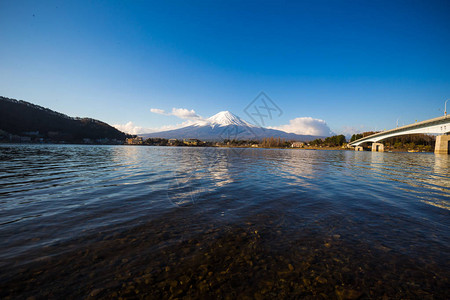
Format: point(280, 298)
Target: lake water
point(161, 222)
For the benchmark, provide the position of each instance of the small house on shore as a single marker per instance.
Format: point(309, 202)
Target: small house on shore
point(297, 144)
point(134, 141)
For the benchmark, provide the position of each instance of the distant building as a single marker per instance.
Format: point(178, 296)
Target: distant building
point(134, 141)
point(297, 144)
point(191, 142)
point(172, 142)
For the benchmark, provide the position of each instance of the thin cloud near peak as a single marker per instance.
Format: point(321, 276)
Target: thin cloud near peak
point(306, 126)
point(132, 128)
point(182, 113)
point(157, 111)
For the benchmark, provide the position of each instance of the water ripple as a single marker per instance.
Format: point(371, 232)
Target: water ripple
point(52, 194)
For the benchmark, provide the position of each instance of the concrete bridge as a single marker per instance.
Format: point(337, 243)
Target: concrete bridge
point(440, 126)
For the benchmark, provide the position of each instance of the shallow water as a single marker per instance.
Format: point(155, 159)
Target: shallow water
point(161, 222)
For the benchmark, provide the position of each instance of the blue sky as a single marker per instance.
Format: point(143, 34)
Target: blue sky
point(358, 65)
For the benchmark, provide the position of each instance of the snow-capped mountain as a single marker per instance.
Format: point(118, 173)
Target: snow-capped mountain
point(226, 118)
point(225, 125)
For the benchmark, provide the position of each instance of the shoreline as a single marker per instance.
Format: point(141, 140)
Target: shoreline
point(404, 150)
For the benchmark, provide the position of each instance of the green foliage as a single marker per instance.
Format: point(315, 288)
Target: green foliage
point(336, 140)
point(156, 142)
point(398, 145)
point(316, 142)
point(175, 142)
point(420, 142)
point(356, 137)
point(332, 141)
point(235, 142)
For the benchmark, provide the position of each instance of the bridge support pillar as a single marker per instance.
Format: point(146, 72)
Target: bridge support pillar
point(359, 148)
point(442, 144)
point(377, 147)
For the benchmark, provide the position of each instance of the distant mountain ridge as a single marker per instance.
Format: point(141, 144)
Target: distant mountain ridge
point(226, 125)
point(19, 117)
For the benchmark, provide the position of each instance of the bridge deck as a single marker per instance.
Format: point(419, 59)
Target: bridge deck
point(422, 124)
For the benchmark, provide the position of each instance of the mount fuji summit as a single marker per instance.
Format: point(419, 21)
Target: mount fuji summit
point(225, 125)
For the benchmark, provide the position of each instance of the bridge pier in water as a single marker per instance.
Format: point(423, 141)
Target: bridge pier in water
point(359, 148)
point(442, 144)
point(377, 147)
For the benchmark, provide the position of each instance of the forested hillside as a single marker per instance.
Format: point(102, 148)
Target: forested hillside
point(22, 118)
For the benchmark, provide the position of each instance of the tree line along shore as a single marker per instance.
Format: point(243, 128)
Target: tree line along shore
point(417, 143)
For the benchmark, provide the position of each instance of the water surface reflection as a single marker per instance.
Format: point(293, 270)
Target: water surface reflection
point(160, 222)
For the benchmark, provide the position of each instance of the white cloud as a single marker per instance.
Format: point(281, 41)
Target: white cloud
point(348, 131)
point(157, 111)
point(306, 126)
point(176, 126)
point(185, 114)
point(182, 113)
point(131, 128)
point(189, 116)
